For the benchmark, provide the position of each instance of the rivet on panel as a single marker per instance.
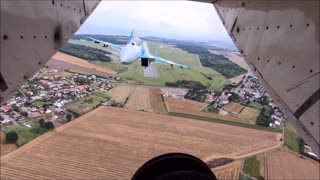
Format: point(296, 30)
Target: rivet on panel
point(243, 4)
point(243, 29)
point(311, 123)
point(307, 24)
point(258, 58)
point(293, 66)
point(74, 9)
point(291, 25)
point(34, 37)
point(61, 4)
point(52, 1)
point(267, 27)
point(46, 36)
point(278, 27)
point(5, 37)
point(39, 63)
point(68, 7)
point(21, 37)
point(268, 60)
point(311, 71)
point(238, 30)
point(257, 28)
point(25, 77)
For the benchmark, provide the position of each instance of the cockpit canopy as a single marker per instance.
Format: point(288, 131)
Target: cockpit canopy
point(135, 41)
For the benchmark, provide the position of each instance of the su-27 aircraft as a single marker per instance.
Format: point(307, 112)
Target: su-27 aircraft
point(135, 49)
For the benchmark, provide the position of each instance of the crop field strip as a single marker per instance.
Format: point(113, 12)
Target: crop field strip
point(286, 164)
point(113, 143)
point(184, 107)
point(229, 171)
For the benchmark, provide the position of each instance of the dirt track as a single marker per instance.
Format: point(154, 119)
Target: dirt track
point(112, 143)
point(286, 164)
point(5, 148)
point(63, 61)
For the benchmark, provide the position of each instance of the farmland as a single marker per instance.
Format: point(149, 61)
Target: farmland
point(194, 108)
point(63, 61)
point(134, 71)
point(233, 107)
point(114, 143)
point(250, 114)
point(228, 171)
point(139, 100)
point(286, 164)
point(232, 57)
point(5, 148)
point(121, 93)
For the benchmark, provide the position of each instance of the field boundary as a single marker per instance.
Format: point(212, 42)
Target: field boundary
point(231, 123)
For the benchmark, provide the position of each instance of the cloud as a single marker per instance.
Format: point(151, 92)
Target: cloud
point(186, 18)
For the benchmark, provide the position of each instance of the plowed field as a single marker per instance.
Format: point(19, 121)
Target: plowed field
point(5, 148)
point(228, 171)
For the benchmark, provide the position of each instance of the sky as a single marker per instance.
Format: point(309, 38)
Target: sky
point(182, 19)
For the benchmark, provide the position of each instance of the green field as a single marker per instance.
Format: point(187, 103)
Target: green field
point(256, 105)
point(232, 123)
point(41, 102)
point(252, 167)
point(249, 113)
point(26, 134)
point(292, 137)
point(134, 72)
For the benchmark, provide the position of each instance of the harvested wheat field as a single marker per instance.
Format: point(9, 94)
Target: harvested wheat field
point(112, 143)
point(63, 61)
point(156, 101)
point(146, 99)
point(5, 148)
point(228, 171)
point(173, 104)
point(121, 93)
point(233, 107)
point(194, 108)
point(286, 164)
point(139, 99)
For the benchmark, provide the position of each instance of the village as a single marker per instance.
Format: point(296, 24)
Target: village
point(46, 95)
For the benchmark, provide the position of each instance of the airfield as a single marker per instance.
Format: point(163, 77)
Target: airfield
point(113, 143)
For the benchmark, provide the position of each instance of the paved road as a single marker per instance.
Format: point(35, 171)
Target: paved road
point(150, 71)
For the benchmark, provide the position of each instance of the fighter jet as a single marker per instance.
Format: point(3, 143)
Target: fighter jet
point(137, 49)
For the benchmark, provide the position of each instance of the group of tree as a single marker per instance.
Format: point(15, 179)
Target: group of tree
point(264, 118)
point(186, 84)
point(12, 137)
point(48, 125)
point(86, 52)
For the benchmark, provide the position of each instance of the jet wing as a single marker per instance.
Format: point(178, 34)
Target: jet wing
point(114, 46)
point(165, 61)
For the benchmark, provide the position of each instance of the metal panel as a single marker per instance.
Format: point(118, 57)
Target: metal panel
point(280, 42)
point(32, 32)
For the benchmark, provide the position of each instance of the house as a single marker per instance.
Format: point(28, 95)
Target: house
point(6, 108)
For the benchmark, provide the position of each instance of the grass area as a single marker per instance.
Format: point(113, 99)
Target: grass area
point(103, 95)
point(249, 113)
point(26, 134)
point(134, 72)
point(252, 167)
point(232, 123)
point(256, 105)
point(41, 102)
point(77, 71)
point(243, 177)
point(291, 137)
point(86, 104)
